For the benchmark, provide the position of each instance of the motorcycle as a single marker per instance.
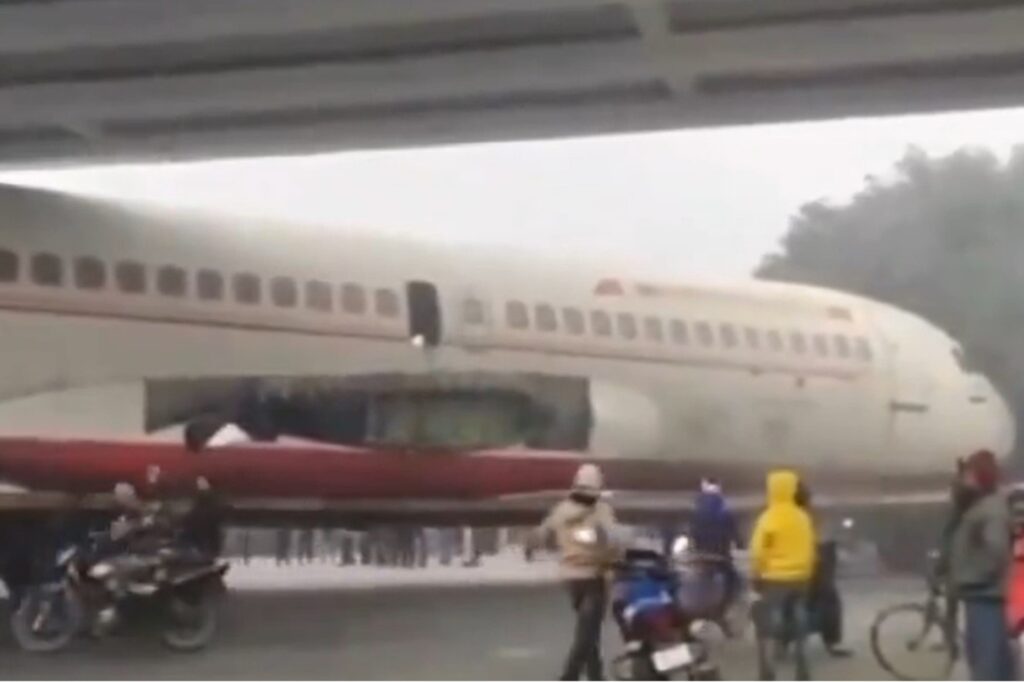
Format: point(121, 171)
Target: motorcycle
point(665, 636)
point(174, 589)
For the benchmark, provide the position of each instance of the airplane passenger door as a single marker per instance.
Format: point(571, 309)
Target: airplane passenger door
point(913, 427)
point(424, 308)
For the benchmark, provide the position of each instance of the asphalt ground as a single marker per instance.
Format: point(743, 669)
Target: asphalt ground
point(498, 623)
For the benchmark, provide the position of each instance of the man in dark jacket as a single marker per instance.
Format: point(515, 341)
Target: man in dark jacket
point(202, 526)
point(979, 558)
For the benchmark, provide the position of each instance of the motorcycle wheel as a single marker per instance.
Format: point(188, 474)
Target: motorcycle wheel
point(191, 623)
point(47, 619)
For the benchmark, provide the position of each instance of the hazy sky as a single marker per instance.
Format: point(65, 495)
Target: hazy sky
point(698, 202)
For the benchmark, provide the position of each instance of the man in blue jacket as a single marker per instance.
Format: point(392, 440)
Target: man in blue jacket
point(714, 531)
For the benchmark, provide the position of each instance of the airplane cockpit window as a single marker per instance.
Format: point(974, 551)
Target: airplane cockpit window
point(90, 273)
point(318, 296)
point(963, 361)
point(473, 311)
point(170, 281)
point(131, 277)
point(862, 349)
point(797, 343)
point(774, 339)
point(652, 330)
point(10, 266)
point(728, 335)
point(752, 337)
point(572, 319)
point(680, 332)
point(546, 319)
point(283, 292)
point(353, 299)
point(516, 315)
point(209, 285)
point(385, 303)
point(821, 345)
point(247, 288)
point(842, 345)
point(47, 270)
point(600, 323)
point(627, 326)
point(705, 336)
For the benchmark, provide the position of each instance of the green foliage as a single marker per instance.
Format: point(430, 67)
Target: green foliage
point(943, 237)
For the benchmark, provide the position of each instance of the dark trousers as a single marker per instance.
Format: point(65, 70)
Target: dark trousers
point(986, 640)
point(780, 619)
point(589, 598)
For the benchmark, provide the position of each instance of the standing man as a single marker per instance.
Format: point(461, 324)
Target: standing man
point(583, 525)
point(782, 553)
point(203, 525)
point(980, 556)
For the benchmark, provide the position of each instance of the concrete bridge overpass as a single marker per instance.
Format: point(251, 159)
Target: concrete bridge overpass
point(104, 80)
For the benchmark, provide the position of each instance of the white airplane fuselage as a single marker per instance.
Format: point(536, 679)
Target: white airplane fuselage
point(728, 378)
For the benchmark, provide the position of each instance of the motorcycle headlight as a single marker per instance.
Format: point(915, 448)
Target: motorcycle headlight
point(585, 536)
point(101, 570)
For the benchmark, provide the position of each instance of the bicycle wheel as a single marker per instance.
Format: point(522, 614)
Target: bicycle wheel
point(910, 643)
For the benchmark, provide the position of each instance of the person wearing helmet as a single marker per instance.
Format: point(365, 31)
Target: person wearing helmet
point(714, 533)
point(782, 553)
point(583, 526)
point(979, 560)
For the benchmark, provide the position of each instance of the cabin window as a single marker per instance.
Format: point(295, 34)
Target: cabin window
point(247, 288)
point(774, 339)
point(546, 319)
point(131, 277)
point(353, 299)
point(283, 292)
point(627, 326)
point(572, 319)
point(863, 349)
point(752, 338)
point(600, 323)
point(385, 302)
point(728, 335)
point(842, 345)
point(516, 315)
point(821, 345)
point(209, 285)
point(797, 343)
point(319, 296)
point(653, 330)
point(47, 270)
point(680, 332)
point(473, 311)
point(705, 336)
point(90, 273)
point(170, 281)
point(10, 266)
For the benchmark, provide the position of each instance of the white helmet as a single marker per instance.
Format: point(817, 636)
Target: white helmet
point(124, 494)
point(588, 480)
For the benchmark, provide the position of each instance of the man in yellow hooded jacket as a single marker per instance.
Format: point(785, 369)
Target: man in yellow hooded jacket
point(782, 553)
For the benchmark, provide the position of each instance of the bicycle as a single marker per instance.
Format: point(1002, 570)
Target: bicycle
point(925, 632)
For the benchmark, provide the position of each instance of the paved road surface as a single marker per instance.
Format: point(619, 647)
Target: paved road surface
point(451, 629)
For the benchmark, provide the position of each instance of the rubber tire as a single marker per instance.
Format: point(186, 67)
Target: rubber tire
point(875, 639)
point(21, 624)
point(208, 607)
